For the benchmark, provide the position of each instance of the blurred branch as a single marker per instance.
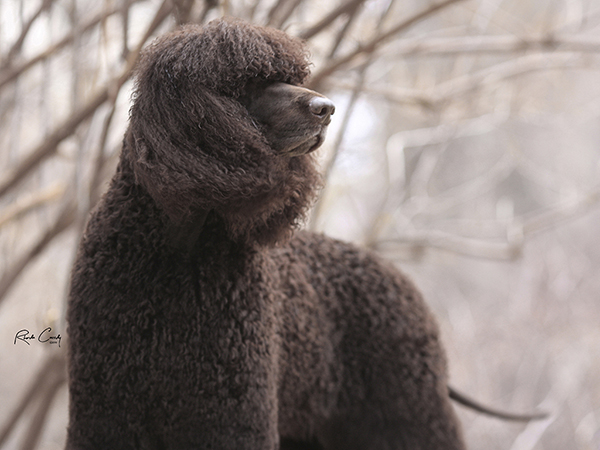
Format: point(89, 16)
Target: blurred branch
point(345, 8)
point(31, 201)
point(50, 145)
point(16, 47)
point(208, 5)
point(63, 221)
point(561, 212)
point(124, 11)
point(99, 158)
point(495, 44)
point(344, 31)
point(287, 13)
point(54, 377)
point(370, 46)
point(182, 10)
point(281, 11)
point(47, 381)
point(274, 9)
point(416, 242)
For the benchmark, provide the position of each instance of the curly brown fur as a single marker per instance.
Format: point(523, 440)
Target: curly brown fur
point(198, 319)
point(190, 81)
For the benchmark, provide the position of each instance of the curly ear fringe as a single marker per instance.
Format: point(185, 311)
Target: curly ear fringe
point(288, 206)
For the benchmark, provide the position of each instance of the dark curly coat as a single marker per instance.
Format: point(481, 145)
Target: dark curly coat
point(199, 320)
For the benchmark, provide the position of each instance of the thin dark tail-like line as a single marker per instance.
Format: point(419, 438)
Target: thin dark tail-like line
point(474, 405)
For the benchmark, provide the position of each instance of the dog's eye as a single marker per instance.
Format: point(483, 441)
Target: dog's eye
point(253, 89)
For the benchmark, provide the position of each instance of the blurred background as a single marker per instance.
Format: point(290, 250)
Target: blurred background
point(465, 147)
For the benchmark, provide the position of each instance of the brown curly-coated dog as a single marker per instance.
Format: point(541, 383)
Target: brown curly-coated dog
point(198, 319)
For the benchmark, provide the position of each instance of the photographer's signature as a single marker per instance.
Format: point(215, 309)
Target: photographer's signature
point(45, 337)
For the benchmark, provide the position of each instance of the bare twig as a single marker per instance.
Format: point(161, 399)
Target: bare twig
point(358, 89)
point(285, 14)
point(561, 212)
point(68, 214)
point(182, 10)
point(342, 33)
point(356, 92)
point(31, 201)
point(55, 377)
point(274, 11)
point(99, 158)
point(54, 363)
point(64, 220)
point(415, 242)
point(495, 44)
point(370, 46)
point(124, 10)
point(16, 47)
point(344, 8)
point(207, 6)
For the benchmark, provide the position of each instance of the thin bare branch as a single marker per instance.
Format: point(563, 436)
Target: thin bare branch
point(344, 8)
point(285, 14)
point(63, 221)
point(274, 10)
point(99, 158)
point(206, 7)
point(416, 242)
point(55, 377)
point(503, 71)
point(53, 363)
point(124, 10)
point(495, 44)
point(182, 10)
point(561, 212)
point(356, 92)
point(344, 31)
point(31, 201)
point(16, 47)
point(163, 12)
point(370, 46)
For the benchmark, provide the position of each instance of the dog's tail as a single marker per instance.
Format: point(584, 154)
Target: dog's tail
point(472, 404)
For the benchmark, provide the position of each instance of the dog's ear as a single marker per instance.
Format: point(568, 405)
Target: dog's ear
point(199, 152)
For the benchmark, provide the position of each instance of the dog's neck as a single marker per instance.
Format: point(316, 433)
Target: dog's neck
point(185, 237)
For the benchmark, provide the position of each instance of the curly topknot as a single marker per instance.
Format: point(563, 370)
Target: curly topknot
point(222, 56)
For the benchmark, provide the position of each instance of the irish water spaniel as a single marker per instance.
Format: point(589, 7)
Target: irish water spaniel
point(198, 318)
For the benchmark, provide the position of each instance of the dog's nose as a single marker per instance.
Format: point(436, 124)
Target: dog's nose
point(321, 107)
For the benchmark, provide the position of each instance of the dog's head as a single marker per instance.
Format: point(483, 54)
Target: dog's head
point(220, 123)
